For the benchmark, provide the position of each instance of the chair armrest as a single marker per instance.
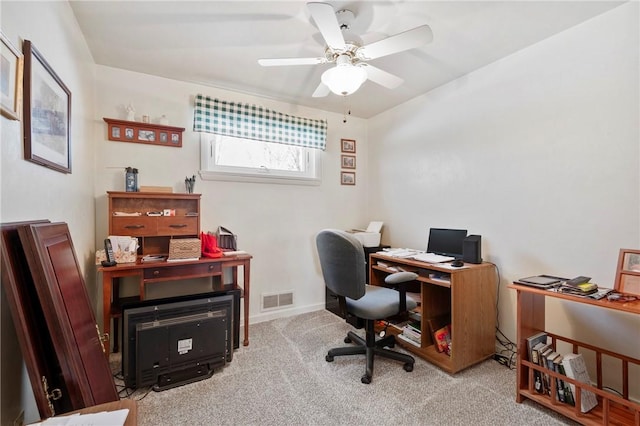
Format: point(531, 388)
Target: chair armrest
point(400, 279)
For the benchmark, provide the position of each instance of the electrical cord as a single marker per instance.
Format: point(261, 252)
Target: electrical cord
point(507, 355)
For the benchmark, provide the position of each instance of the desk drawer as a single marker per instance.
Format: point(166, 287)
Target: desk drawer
point(176, 272)
point(134, 226)
point(178, 225)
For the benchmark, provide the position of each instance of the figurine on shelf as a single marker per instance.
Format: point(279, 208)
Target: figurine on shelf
point(131, 112)
point(164, 120)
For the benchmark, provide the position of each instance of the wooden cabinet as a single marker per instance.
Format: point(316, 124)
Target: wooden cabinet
point(613, 408)
point(128, 215)
point(467, 296)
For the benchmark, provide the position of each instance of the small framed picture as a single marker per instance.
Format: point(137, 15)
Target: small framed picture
point(348, 178)
point(11, 61)
point(628, 272)
point(147, 135)
point(348, 145)
point(164, 137)
point(115, 132)
point(348, 161)
point(128, 133)
point(175, 137)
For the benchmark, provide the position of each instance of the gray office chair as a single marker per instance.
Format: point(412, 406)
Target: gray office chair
point(343, 267)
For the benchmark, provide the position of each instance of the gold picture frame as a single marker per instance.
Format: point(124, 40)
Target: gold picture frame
point(348, 161)
point(12, 64)
point(347, 178)
point(628, 272)
point(348, 145)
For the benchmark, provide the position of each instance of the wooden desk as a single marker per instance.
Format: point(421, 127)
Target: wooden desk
point(465, 296)
point(611, 409)
point(153, 272)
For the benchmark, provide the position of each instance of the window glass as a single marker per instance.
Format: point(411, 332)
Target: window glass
point(231, 158)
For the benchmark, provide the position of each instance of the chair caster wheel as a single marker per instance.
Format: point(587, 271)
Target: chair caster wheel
point(366, 379)
point(347, 339)
point(408, 367)
point(329, 358)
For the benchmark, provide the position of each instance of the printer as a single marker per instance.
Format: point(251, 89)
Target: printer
point(369, 237)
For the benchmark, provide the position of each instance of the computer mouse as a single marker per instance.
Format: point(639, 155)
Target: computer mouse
point(457, 263)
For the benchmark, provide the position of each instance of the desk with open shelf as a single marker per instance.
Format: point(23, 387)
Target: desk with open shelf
point(467, 294)
point(612, 409)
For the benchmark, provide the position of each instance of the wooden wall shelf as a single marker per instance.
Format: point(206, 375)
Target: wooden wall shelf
point(147, 133)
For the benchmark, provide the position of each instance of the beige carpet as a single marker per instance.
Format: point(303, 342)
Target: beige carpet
point(282, 378)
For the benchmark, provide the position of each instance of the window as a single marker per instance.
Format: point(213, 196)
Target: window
point(240, 159)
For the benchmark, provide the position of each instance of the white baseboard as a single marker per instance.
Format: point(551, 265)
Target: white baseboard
point(283, 313)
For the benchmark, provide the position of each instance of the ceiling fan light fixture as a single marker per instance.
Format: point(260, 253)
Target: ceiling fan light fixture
point(345, 78)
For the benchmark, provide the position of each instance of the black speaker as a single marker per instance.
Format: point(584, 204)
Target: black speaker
point(471, 249)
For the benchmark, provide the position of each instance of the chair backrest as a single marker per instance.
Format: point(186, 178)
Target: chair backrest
point(342, 261)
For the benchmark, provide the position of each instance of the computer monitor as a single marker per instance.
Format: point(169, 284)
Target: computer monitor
point(447, 242)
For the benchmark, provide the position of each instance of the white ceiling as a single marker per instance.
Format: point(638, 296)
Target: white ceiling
point(218, 43)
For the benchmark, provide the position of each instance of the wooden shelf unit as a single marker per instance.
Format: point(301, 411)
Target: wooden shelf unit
point(468, 297)
point(146, 133)
point(612, 409)
point(154, 232)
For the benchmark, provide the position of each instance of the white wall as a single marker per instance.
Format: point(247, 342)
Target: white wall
point(30, 191)
point(538, 153)
point(276, 223)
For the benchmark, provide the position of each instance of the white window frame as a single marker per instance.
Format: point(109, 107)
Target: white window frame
point(211, 171)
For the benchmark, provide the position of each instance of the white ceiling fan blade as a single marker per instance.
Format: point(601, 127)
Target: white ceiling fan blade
point(326, 21)
point(397, 43)
point(381, 77)
point(321, 91)
point(291, 61)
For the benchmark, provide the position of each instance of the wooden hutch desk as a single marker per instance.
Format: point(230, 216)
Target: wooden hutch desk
point(148, 273)
point(467, 296)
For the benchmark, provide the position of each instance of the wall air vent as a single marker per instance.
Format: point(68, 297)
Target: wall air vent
point(272, 301)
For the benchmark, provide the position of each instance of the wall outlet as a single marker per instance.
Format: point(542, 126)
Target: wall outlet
point(19, 420)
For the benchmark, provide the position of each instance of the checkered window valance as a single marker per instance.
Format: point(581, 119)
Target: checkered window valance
point(255, 122)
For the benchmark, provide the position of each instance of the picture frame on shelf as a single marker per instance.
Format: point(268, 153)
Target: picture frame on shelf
point(11, 61)
point(628, 272)
point(348, 161)
point(347, 178)
point(348, 145)
point(46, 113)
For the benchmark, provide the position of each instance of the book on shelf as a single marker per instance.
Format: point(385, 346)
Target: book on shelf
point(442, 339)
point(406, 339)
point(563, 389)
point(534, 344)
point(537, 375)
point(545, 351)
point(575, 368)
point(436, 323)
point(554, 381)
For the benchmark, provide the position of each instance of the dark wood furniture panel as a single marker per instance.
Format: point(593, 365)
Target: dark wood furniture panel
point(612, 409)
point(29, 321)
point(67, 309)
point(55, 325)
point(467, 297)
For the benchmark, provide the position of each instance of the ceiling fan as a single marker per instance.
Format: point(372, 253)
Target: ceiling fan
point(346, 51)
